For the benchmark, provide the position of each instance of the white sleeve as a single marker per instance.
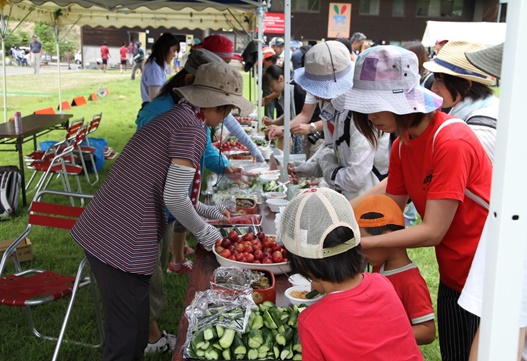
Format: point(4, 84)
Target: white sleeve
point(179, 179)
point(310, 98)
point(236, 130)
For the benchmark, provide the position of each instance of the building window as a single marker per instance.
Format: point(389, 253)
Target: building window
point(369, 7)
point(299, 6)
point(398, 8)
point(440, 8)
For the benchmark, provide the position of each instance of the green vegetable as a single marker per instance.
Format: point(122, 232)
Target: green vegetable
point(252, 354)
point(226, 354)
point(212, 354)
point(297, 356)
point(219, 331)
point(267, 344)
point(287, 352)
point(227, 338)
point(312, 294)
point(284, 337)
point(269, 319)
point(257, 323)
point(238, 347)
point(293, 318)
point(255, 339)
point(296, 342)
point(197, 341)
point(209, 333)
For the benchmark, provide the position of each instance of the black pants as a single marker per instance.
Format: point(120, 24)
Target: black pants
point(126, 307)
point(457, 327)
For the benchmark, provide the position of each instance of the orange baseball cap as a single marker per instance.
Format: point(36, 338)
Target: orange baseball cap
point(385, 207)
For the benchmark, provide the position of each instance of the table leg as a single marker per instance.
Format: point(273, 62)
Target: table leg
point(22, 169)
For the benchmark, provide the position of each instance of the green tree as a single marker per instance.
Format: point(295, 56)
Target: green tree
point(18, 37)
point(46, 34)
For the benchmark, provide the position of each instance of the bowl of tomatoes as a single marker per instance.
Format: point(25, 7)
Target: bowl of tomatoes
point(252, 250)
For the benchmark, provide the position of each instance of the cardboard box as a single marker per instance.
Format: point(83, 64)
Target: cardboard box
point(24, 249)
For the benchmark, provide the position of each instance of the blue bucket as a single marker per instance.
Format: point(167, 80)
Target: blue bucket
point(99, 144)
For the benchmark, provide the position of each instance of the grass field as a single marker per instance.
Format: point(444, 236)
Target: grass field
point(58, 251)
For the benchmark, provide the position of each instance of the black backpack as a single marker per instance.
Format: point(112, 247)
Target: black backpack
point(10, 184)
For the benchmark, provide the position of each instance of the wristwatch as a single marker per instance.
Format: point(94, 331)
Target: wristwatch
point(312, 127)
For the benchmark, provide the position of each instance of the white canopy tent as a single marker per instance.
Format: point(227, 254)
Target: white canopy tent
point(481, 32)
point(219, 14)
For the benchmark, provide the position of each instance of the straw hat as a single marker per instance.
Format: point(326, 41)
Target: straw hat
point(451, 60)
point(216, 84)
point(199, 57)
point(488, 60)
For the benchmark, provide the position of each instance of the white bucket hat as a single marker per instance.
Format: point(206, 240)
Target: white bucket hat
point(328, 70)
point(451, 60)
point(387, 79)
point(216, 84)
point(310, 217)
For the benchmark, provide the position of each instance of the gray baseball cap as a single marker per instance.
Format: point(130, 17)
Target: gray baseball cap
point(199, 57)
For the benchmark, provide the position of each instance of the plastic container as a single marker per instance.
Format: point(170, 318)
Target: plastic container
point(274, 204)
point(300, 301)
point(259, 295)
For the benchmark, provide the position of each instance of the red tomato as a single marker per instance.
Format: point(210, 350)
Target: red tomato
point(233, 235)
point(226, 243)
point(249, 236)
point(239, 247)
point(249, 249)
point(267, 260)
point(277, 257)
point(232, 258)
point(250, 257)
point(218, 242)
point(257, 244)
point(259, 255)
point(266, 242)
point(219, 249)
point(225, 253)
point(276, 247)
point(239, 256)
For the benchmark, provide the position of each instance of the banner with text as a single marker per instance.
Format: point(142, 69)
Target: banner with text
point(274, 23)
point(339, 20)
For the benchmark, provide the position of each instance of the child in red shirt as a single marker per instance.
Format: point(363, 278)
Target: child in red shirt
point(379, 214)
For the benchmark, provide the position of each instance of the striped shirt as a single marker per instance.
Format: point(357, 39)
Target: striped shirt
point(124, 222)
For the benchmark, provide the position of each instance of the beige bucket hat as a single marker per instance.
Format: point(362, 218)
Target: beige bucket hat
point(216, 84)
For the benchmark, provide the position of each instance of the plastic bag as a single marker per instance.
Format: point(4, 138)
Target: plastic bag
point(216, 307)
point(235, 278)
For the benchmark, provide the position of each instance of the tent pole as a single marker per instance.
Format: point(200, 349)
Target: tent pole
point(4, 80)
point(260, 14)
point(287, 89)
point(504, 276)
point(57, 44)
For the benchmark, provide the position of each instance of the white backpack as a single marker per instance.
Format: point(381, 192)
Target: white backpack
point(10, 184)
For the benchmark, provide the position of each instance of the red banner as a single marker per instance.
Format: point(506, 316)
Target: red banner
point(274, 23)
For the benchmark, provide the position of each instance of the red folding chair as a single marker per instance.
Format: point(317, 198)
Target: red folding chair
point(62, 165)
point(35, 287)
point(89, 151)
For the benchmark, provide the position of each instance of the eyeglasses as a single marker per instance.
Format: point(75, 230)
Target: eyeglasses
point(332, 64)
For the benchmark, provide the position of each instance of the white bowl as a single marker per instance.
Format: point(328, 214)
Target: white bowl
point(276, 268)
point(298, 280)
point(300, 301)
point(274, 204)
point(274, 195)
point(268, 177)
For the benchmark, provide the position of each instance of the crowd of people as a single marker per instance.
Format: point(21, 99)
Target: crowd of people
point(396, 130)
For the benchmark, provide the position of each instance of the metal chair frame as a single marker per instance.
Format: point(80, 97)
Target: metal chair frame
point(56, 216)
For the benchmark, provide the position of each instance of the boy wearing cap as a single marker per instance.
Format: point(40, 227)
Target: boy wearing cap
point(121, 228)
point(379, 214)
point(360, 317)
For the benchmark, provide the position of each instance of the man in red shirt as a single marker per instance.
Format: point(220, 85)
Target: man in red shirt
point(123, 51)
point(105, 54)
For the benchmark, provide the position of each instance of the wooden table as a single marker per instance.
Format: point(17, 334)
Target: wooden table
point(33, 126)
point(204, 265)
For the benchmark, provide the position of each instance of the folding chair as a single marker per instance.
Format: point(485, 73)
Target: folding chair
point(109, 153)
point(89, 150)
point(49, 153)
point(62, 164)
point(34, 287)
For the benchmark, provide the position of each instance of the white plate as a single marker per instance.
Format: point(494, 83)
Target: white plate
point(276, 268)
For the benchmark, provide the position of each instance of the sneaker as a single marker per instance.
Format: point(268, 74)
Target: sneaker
point(167, 342)
point(188, 250)
point(184, 267)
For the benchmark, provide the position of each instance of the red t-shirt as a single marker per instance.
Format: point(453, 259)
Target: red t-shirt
point(458, 162)
point(366, 323)
point(124, 52)
point(105, 52)
point(412, 291)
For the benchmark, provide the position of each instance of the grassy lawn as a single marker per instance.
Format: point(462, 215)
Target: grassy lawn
point(56, 250)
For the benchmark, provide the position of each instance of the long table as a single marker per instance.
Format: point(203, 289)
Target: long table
point(33, 126)
point(204, 265)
